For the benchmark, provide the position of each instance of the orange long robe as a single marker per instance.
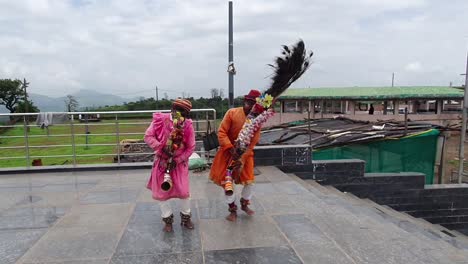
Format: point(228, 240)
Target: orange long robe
point(229, 129)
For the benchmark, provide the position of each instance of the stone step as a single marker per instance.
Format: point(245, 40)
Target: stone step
point(409, 224)
point(350, 224)
point(423, 226)
point(398, 218)
point(400, 215)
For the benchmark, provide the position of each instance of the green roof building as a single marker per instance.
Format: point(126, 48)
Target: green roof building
point(382, 100)
point(375, 93)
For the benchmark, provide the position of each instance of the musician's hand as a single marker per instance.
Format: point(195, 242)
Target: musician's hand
point(235, 155)
point(171, 165)
point(237, 165)
point(166, 152)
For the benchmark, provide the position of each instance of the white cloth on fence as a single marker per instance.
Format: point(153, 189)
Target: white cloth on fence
point(46, 119)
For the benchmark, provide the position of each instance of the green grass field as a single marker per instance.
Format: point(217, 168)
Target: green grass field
point(38, 137)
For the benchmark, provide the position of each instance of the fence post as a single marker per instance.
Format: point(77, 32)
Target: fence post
point(72, 131)
point(309, 160)
point(26, 141)
point(117, 134)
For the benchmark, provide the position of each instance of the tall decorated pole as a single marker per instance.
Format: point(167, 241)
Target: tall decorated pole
point(231, 70)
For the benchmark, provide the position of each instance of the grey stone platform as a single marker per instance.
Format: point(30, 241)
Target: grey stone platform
point(109, 217)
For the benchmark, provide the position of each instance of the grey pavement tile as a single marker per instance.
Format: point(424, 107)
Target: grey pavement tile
point(206, 190)
point(13, 244)
point(34, 211)
point(105, 186)
point(255, 231)
point(82, 261)
point(259, 255)
point(97, 216)
point(15, 189)
point(264, 189)
point(76, 243)
point(29, 199)
point(8, 200)
point(122, 196)
point(147, 206)
point(323, 252)
point(75, 187)
point(28, 221)
point(177, 258)
point(299, 229)
point(290, 187)
point(274, 174)
point(215, 209)
point(153, 217)
point(278, 204)
point(50, 199)
point(145, 196)
point(261, 179)
point(148, 218)
point(52, 178)
point(150, 239)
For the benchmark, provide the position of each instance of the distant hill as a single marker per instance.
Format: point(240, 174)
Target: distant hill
point(85, 98)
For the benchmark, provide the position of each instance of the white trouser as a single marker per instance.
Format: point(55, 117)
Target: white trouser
point(246, 193)
point(166, 209)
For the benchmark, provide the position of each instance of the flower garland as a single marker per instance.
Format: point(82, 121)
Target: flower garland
point(173, 143)
point(257, 117)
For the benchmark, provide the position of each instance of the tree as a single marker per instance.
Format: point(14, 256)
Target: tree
point(221, 93)
point(71, 103)
point(11, 92)
point(214, 92)
point(31, 108)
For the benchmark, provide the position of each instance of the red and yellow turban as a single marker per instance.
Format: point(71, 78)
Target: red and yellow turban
point(183, 103)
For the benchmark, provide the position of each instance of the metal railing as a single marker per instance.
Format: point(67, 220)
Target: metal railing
point(70, 137)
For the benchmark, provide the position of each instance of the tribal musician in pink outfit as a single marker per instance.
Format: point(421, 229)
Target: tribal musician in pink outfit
point(172, 137)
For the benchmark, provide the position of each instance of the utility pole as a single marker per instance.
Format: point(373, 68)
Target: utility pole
point(156, 98)
point(393, 78)
point(461, 154)
point(231, 69)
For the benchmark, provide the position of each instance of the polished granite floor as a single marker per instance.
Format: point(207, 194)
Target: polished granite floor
point(109, 217)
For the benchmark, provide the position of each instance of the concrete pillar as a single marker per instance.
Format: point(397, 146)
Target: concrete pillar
point(281, 111)
point(297, 108)
point(322, 108)
point(440, 107)
point(313, 109)
point(396, 106)
point(415, 107)
point(352, 107)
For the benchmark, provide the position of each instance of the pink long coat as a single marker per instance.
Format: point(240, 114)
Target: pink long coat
point(156, 137)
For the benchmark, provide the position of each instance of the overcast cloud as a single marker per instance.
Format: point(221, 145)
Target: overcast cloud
point(126, 47)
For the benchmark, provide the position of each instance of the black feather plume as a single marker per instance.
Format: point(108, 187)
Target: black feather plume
point(289, 68)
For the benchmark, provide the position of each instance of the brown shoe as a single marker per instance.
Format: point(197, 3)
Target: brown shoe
point(186, 221)
point(245, 206)
point(233, 212)
point(168, 221)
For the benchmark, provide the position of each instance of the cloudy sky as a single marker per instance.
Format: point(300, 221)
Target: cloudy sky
point(126, 47)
